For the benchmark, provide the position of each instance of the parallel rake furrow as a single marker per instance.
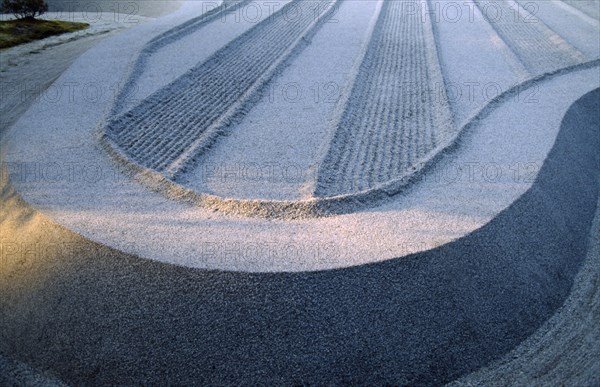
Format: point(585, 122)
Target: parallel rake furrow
point(168, 129)
point(397, 113)
point(539, 48)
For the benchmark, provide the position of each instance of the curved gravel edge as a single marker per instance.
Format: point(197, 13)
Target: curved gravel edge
point(322, 206)
point(173, 155)
point(90, 314)
point(566, 349)
point(381, 134)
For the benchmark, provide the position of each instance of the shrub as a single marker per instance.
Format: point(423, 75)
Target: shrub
point(24, 8)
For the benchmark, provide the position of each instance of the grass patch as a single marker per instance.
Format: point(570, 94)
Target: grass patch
point(15, 32)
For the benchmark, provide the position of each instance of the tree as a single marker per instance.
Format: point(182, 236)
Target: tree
point(24, 8)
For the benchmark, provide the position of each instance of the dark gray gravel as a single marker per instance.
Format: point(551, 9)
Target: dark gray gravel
point(90, 315)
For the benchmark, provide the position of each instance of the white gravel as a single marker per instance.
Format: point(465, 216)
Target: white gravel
point(168, 63)
point(394, 120)
point(272, 153)
point(473, 80)
point(573, 25)
point(71, 179)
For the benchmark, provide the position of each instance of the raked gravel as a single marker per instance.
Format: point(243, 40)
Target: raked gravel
point(573, 25)
point(503, 152)
point(273, 152)
point(87, 313)
point(201, 103)
point(394, 118)
point(71, 179)
point(589, 7)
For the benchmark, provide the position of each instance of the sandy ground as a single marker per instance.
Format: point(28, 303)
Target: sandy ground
point(108, 207)
point(267, 181)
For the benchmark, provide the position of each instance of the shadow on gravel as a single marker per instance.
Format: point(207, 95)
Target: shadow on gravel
point(10, 199)
point(91, 315)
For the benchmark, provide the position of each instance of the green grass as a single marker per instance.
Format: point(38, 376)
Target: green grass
point(15, 32)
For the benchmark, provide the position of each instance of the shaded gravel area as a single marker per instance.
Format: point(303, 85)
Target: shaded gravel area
point(566, 349)
point(13, 373)
point(89, 314)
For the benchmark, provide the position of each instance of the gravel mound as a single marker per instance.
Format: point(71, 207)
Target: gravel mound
point(566, 349)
